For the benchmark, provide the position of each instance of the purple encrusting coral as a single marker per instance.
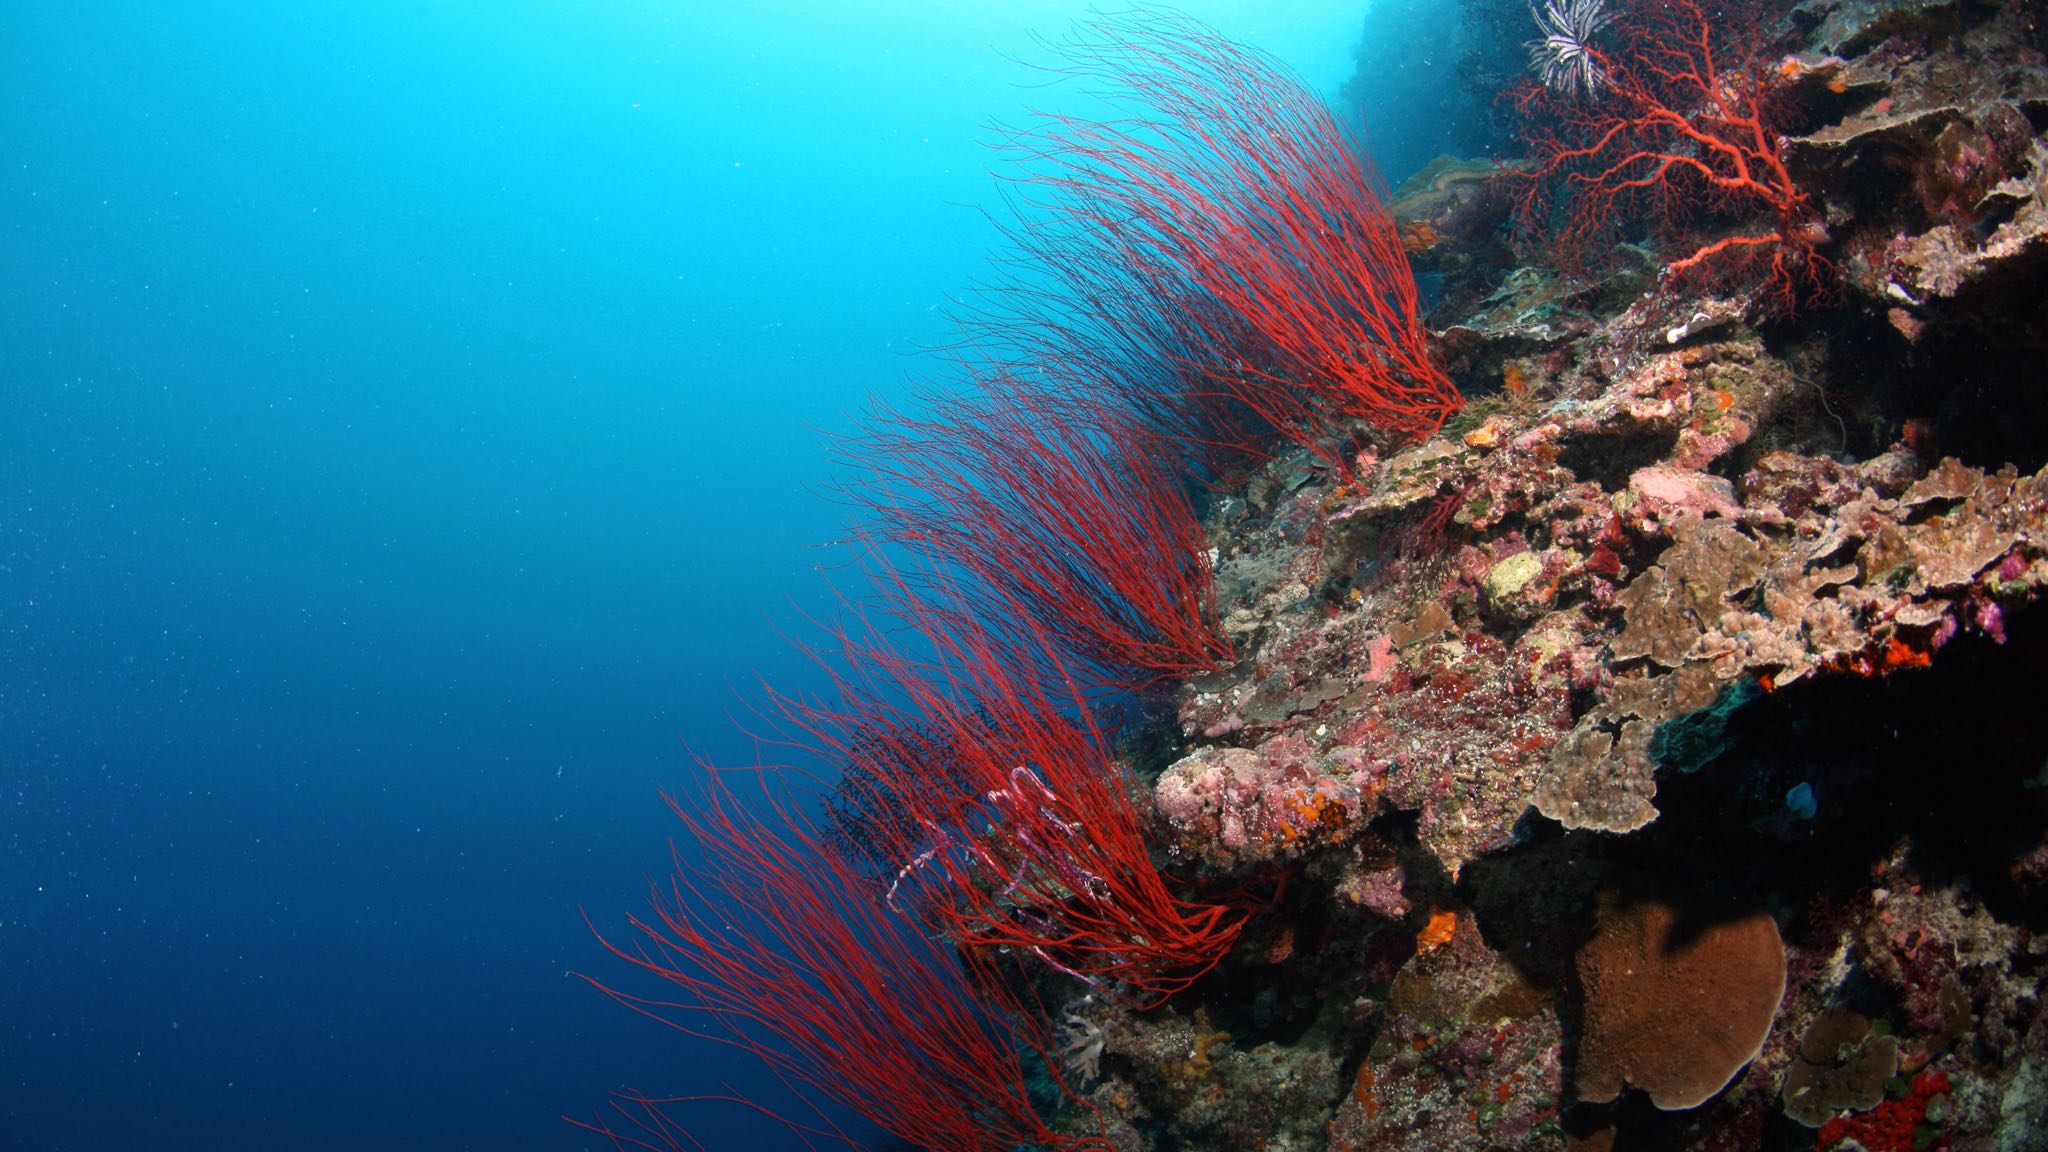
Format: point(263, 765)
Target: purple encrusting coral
point(1703, 623)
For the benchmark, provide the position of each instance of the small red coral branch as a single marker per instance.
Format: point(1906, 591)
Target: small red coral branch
point(1676, 128)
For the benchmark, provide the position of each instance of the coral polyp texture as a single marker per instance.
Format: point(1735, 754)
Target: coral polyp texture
point(1596, 703)
point(1674, 1010)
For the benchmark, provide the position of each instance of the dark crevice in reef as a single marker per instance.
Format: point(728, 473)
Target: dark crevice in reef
point(1972, 388)
point(1947, 758)
point(1935, 773)
point(1609, 460)
point(1986, 396)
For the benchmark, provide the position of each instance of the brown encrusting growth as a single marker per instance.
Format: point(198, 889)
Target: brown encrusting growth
point(1674, 1009)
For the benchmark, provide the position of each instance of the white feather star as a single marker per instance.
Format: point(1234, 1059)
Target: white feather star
point(1564, 58)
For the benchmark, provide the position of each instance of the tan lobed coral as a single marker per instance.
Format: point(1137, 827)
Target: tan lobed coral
point(1674, 1012)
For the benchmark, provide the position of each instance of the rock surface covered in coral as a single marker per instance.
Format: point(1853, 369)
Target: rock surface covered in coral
point(1699, 608)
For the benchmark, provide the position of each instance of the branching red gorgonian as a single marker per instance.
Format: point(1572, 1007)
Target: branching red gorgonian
point(1677, 126)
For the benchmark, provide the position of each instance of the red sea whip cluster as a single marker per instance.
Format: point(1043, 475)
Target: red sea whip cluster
point(1204, 279)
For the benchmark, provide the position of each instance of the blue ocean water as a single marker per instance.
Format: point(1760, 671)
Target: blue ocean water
point(410, 427)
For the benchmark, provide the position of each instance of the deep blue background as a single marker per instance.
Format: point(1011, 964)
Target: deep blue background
point(408, 426)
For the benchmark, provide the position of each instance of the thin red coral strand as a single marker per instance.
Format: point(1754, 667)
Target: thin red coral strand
point(1032, 842)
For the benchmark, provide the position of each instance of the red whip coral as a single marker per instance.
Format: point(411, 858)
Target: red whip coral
point(1225, 227)
point(1673, 125)
point(777, 945)
point(1061, 517)
point(1029, 843)
point(1217, 269)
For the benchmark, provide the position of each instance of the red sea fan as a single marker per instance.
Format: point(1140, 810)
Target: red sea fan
point(1675, 128)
